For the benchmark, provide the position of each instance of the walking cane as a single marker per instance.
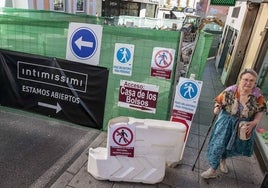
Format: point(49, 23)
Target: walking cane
point(211, 124)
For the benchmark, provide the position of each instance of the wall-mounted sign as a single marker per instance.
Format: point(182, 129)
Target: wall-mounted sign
point(84, 43)
point(138, 96)
point(123, 59)
point(162, 62)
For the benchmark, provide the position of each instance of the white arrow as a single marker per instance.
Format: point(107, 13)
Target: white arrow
point(57, 108)
point(79, 43)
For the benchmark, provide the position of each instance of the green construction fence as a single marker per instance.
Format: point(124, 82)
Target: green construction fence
point(45, 33)
point(200, 55)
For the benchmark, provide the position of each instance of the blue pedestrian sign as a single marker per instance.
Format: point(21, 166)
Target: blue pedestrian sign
point(187, 95)
point(84, 41)
point(123, 55)
point(123, 59)
point(188, 90)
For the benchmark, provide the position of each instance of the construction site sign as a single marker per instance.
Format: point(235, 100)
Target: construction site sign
point(122, 139)
point(186, 98)
point(138, 96)
point(84, 43)
point(123, 59)
point(162, 62)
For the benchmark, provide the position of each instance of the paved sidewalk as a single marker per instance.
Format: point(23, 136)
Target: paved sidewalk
point(244, 172)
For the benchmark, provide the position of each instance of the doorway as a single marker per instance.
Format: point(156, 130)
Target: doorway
point(226, 46)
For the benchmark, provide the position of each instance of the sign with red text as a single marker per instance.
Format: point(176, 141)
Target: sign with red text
point(122, 139)
point(186, 98)
point(185, 102)
point(138, 96)
point(162, 62)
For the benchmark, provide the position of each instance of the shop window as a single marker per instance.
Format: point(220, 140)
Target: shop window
point(110, 8)
point(59, 5)
point(129, 8)
point(80, 6)
point(261, 66)
point(235, 12)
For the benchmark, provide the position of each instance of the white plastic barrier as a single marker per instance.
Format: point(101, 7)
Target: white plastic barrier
point(153, 143)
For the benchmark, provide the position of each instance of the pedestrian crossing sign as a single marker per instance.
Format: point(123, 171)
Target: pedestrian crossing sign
point(187, 95)
point(123, 59)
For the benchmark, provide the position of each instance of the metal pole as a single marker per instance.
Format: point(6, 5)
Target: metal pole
point(211, 124)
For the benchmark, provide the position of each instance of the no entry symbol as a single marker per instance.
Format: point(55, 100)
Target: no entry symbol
point(163, 59)
point(123, 136)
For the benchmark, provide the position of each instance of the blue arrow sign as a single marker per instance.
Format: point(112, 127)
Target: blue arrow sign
point(83, 43)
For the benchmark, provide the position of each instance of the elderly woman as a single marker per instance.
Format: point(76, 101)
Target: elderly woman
point(241, 102)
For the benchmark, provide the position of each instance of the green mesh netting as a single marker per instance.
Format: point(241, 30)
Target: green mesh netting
point(200, 55)
point(223, 2)
point(45, 33)
point(144, 41)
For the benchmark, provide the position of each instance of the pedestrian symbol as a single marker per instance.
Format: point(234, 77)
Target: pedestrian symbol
point(163, 59)
point(188, 90)
point(123, 55)
point(123, 136)
point(83, 43)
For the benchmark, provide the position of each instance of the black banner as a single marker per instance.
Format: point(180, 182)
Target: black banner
point(62, 89)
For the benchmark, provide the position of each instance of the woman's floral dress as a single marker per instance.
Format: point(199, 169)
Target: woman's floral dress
point(224, 141)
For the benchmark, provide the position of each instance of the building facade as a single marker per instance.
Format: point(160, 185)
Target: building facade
point(244, 44)
point(138, 8)
point(90, 7)
point(106, 8)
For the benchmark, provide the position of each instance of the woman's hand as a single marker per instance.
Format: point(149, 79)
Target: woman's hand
point(217, 108)
point(255, 122)
point(250, 126)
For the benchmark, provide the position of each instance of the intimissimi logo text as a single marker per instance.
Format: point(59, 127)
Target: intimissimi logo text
point(52, 76)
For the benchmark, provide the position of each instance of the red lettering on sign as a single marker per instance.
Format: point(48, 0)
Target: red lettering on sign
point(138, 97)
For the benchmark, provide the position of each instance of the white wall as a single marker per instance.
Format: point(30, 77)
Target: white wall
point(143, 10)
point(2, 3)
point(40, 5)
point(236, 22)
point(21, 4)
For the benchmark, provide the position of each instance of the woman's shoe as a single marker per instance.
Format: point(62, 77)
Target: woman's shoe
point(223, 166)
point(210, 173)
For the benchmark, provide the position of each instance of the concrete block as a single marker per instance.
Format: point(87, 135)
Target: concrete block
point(155, 143)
